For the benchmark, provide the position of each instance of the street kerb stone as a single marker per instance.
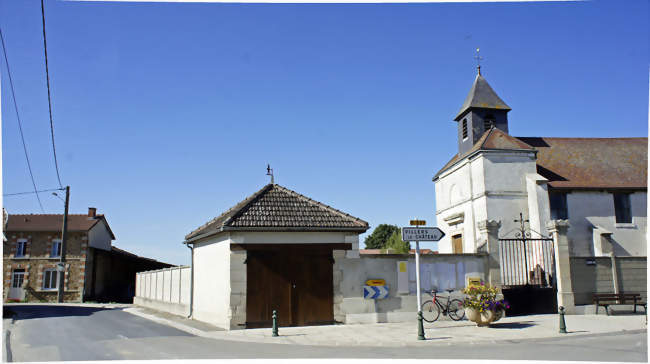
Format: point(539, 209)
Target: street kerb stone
point(443, 332)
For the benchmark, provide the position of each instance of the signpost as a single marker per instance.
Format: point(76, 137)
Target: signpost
point(418, 234)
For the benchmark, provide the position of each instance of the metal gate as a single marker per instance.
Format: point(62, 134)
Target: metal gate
point(526, 261)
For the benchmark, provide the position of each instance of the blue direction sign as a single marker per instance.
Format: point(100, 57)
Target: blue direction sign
point(375, 292)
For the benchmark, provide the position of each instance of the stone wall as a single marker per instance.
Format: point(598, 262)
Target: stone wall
point(350, 275)
point(38, 258)
point(237, 312)
point(591, 275)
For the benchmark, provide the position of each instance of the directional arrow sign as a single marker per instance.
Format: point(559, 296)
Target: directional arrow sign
point(375, 292)
point(422, 234)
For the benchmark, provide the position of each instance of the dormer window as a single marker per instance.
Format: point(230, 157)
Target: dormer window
point(464, 129)
point(488, 122)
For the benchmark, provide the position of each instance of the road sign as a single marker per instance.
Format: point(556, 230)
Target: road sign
point(422, 234)
point(417, 222)
point(376, 282)
point(375, 292)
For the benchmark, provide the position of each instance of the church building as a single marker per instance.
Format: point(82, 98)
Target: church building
point(599, 185)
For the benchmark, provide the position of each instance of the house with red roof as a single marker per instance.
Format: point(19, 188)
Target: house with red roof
point(93, 269)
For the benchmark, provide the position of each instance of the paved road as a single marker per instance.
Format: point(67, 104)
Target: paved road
point(56, 333)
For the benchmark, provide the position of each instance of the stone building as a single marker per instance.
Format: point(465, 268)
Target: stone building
point(598, 185)
point(273, 250)
point(94, 269)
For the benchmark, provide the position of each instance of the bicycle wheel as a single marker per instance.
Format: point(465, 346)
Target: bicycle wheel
point(430, 311)
point(456, 310)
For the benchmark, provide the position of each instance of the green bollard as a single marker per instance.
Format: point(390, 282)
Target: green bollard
point(275, 323)
point(420, 327)
point(562, 323)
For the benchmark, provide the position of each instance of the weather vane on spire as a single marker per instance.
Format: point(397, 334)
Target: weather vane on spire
point(269, 172)
point(478, 59)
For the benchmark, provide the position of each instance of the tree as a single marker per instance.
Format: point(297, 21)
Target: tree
point(396, 243)
point(379, 236)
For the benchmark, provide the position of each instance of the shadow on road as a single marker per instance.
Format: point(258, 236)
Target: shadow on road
point(42, 311)
point(513, 325)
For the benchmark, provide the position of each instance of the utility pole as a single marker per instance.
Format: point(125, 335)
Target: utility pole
point(64, 236)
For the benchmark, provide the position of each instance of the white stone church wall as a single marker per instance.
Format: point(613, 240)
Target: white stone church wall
point(589, 209)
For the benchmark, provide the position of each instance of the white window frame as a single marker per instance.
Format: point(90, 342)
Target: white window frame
point(21, 243)
point(54, 274)
point(55, 242)
point(17, 283)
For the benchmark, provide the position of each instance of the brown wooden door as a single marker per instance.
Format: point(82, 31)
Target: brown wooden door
point(296, 281)
point(457, 243)
point(312, 297)
point(267, 289)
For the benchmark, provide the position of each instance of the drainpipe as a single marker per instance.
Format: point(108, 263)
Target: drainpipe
point(614, 273)
point(191, 280)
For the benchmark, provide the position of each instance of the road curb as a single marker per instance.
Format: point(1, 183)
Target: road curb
point(160, 320)
point(223, 335)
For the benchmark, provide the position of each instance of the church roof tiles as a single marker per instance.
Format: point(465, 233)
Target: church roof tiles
point(575, 163)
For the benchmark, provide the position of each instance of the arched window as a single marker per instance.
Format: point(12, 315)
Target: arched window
point(464, 129)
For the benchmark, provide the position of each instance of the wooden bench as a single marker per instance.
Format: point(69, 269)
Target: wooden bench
point(609, 299)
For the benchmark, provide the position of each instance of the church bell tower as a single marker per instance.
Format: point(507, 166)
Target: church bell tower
point(482, 109)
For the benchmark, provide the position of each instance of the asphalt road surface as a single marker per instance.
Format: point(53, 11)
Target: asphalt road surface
point(68, 333)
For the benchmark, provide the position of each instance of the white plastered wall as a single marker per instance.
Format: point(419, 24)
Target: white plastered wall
point(492, 185)
point(99, 237)
point(596, 209)
point(212, 280)
point(253, 237)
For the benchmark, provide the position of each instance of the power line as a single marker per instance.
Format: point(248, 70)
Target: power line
point(20, 126)
point(49, 98)
point(29, 192)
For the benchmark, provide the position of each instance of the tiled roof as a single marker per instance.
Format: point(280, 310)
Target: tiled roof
point(592, 162)
point(276, 208)
point(481, 95)
point(582, 163)
point(493, 139)
point(52, 222)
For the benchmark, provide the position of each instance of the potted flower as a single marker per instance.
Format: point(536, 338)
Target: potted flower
point(482, 305)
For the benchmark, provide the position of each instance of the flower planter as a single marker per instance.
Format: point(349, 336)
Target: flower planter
point(483, 319)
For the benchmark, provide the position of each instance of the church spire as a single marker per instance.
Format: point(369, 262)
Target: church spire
point(478, 59)
point(482, 96)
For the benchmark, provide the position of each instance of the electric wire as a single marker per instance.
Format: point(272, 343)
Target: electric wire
point(29, 192)
point(20, 126)
point(49, 97)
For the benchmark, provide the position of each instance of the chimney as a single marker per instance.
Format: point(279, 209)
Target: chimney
point(92, 212)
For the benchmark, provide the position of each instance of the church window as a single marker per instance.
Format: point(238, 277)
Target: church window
point(464, 129)
point(622, 208)
point(488, 122)
point(558, 203)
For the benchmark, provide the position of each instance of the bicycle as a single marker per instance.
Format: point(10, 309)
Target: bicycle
point(431, 309)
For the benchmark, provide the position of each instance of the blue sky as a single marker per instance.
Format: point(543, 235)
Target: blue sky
point(166, 114)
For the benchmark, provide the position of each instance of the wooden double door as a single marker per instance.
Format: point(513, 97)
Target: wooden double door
point(294, 280)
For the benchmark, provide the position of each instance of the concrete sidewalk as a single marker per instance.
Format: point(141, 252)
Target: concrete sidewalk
point(519, 328)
